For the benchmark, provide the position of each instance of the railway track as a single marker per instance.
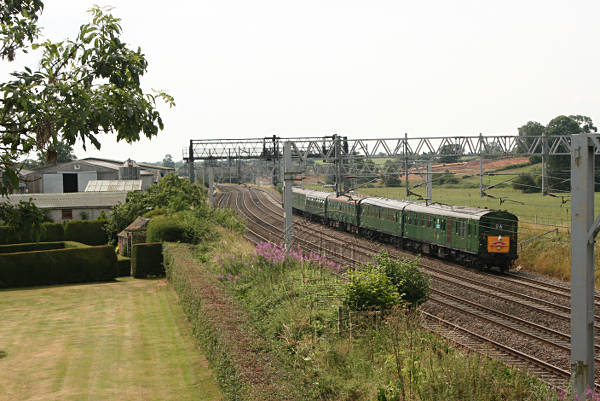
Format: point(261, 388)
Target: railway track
point(264, 217)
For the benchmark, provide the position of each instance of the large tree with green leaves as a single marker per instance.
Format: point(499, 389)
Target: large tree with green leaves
point(532, 128)
point(81, 88)
point(18, 25)
point(559, 167)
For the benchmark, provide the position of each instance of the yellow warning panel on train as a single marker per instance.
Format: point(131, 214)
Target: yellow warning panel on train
point(498, 244)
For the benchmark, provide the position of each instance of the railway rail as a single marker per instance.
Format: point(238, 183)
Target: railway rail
point(264, 217)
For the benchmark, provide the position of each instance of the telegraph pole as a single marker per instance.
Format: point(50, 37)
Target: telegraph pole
point(191, 163)
point(583, 232)
point(339, 186)
point(288, 181)
point(429, 184)
point(544, 164)
point(406, 163)
point(480, 166)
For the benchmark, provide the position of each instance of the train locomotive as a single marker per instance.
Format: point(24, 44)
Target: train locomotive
point(473, 237)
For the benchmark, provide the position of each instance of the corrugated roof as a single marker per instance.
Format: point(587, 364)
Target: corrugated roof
point(138, 224)
point(71, 200)
point(113, 185)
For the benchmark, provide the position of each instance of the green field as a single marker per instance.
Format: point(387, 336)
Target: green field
point(126, 340)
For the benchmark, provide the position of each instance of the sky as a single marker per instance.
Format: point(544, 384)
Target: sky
point(363, 69)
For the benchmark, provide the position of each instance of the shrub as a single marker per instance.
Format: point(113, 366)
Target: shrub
point(9, 236)
point(59, 266)
point(147, 258)
point(165, 228)
point(90, 232)
point(32, 246)
point(411, 284)
point(124, 266)
point(370, 290)
point(526, 183)
point(53, 232)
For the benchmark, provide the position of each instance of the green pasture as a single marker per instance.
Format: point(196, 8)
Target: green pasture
point(126, 340)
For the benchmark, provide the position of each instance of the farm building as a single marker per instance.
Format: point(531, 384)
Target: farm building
point(74, 176)
point(72, 206)
point(134, 233)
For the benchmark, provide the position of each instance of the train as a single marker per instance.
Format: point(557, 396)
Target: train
point(473, 237)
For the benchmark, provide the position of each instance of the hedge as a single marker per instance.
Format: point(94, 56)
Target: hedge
point(51, 232)
point(90, 232)
point(32, 246)
point(147, 258)
point(165, 228)
point(59, 266)
point(124, 266)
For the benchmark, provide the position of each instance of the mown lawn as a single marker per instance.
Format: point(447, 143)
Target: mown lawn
point(126, 340)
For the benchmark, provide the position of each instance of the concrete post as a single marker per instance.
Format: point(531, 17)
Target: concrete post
point(339, 186)
point(210, 185)
point(192, 173)
point(287, 196)
point(544, 164)
point(429, 183)
point(480, 166)
point(406, 163)
point(582, 264)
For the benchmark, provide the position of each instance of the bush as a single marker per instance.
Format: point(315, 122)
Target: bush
point(411, 284)
point(526, 183)
point(370, 290)
point(53, 232)
point(165, 228)
point(90, 232)
point(124, 266)
point(59, 266)
point(9, 236)
point(147, 258)
point(32, 246)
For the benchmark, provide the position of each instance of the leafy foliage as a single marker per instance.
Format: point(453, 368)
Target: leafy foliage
point(411, 284)
point(527, 183)
point(24, 220)
point(83, 87)
point(172, 194)
point(370, 290)
point(18, 25)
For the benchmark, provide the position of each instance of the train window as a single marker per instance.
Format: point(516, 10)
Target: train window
point(469, 229)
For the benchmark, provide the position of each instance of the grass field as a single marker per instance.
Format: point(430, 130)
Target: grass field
point(126, 340)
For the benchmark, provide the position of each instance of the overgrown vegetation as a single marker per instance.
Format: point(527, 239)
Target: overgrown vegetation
point(23, 221)
point(292, 302)
point(179, 212)
point(386, 283)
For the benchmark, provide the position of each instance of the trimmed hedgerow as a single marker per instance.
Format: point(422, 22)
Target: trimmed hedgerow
point(31, 246)
point(124, 264)
point(53, 232)
point(165, 228)
point(9, 236)
point(147, 258)
point(90, 232)
point(59, 266)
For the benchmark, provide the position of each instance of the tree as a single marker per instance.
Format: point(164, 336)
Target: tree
point(18, 25)
point(168, 161)
point(82, 87)
point(450, 153)
point(559, 167)
point(532, 128)
point(63, 151)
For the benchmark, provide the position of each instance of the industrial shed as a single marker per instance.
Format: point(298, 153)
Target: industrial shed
point(74, 176)
point(73, 206)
